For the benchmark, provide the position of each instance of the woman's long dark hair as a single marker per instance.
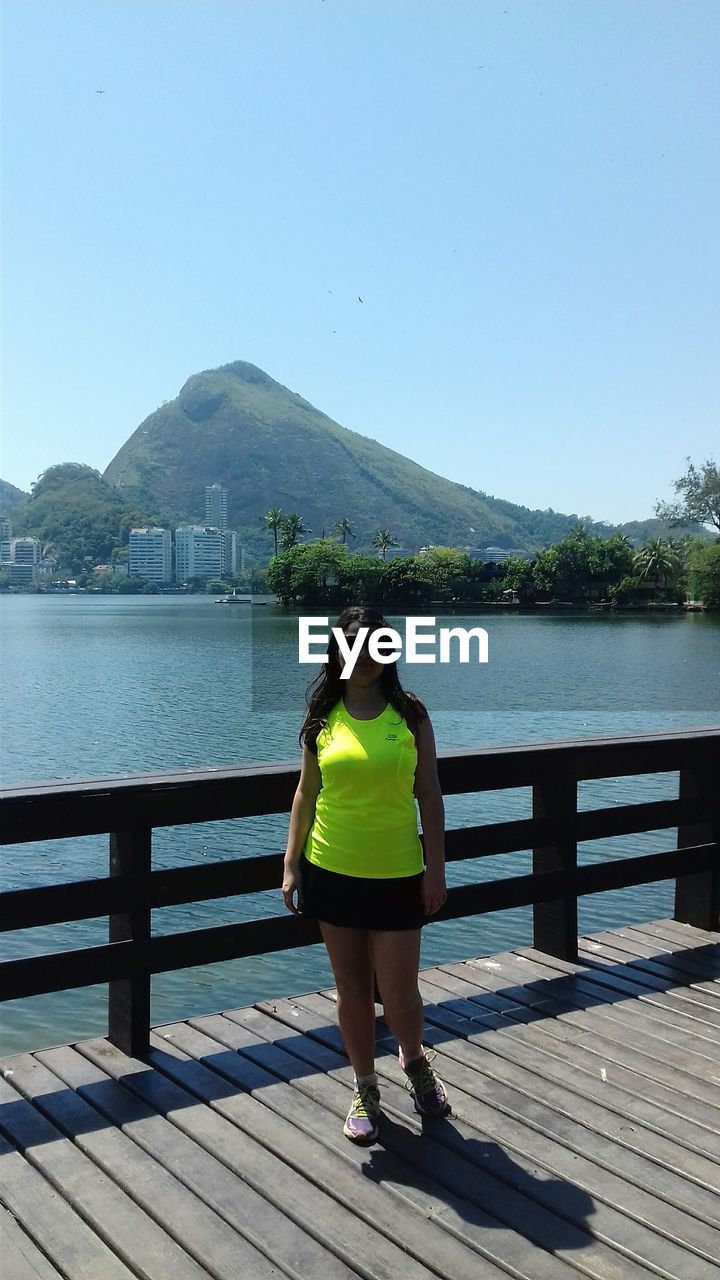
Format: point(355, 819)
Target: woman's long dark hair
point(328, 687)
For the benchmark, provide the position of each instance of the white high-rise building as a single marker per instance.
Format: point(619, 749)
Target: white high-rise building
point(150, 554)
point(25, 550)
point(5, 537)
point(22, 560)
point(232, 551)
point(215, 506)
point(199, 552)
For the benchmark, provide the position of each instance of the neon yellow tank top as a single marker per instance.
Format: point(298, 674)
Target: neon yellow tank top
point(365, 821)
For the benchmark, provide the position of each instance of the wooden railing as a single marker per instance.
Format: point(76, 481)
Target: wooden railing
point(128, 808)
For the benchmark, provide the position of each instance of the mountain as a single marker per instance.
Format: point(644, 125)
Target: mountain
point(76, 515)
point(238, 427)
point(10, 498)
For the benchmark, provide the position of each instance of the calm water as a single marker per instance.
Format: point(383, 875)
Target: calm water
point(96, 685)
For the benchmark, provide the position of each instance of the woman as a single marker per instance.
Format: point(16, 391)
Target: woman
point(355, 859)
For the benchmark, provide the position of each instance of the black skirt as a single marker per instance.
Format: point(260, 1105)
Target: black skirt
point(356, 902)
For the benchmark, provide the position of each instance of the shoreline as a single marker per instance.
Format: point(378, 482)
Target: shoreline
point(404, 606)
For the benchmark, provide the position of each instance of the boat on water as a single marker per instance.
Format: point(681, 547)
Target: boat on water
point(234, 598)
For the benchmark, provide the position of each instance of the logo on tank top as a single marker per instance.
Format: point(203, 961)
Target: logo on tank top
point(391, 735)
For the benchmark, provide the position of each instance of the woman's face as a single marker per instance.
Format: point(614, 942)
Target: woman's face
point(366, 669)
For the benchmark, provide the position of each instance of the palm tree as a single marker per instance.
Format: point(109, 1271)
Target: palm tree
point(273, 519)
point(343, 526)
point(382, 540)
point(658, 558)
point(292, 527)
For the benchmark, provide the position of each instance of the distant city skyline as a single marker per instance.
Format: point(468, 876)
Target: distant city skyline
point(481, 234)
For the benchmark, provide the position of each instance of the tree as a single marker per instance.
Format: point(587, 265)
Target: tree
point(657, 559)
point(76, 515)
point(518, 577)
point(343, 526)
point(567, 567)
point(291, 527)
point(444, 568)
point(382, 540)
point(704, 571)
point(273, 519)
point(309, 573)
point(700, 502)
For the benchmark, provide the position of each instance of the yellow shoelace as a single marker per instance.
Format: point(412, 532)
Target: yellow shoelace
point(423, 1078)
point(365, 1102)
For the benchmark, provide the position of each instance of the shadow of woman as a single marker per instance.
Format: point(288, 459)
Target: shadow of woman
point(483, 1193)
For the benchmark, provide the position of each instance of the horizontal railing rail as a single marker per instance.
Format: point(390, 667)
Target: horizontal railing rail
point(128, 808)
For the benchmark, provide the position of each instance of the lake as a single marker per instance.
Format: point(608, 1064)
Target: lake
point(98, 685)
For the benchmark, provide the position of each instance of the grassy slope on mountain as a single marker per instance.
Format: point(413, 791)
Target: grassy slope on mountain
point(10, 498)
point(78, 517)
point(237, 426)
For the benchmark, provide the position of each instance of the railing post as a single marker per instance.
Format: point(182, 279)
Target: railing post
point(129, 998)
point(555, 924)
point(697, 897)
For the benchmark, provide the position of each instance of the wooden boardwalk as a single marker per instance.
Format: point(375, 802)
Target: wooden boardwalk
point(585, 1138)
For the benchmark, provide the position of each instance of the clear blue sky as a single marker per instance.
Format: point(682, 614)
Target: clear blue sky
point(523, 192)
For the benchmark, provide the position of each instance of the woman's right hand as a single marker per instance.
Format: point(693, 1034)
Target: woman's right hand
point(291, 885)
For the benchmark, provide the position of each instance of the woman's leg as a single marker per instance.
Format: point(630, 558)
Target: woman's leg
point(396, 959)
point(351, 960)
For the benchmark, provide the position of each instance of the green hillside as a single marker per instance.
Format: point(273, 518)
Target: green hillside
point(10, 498)
point(238, 427)
point(77, 516)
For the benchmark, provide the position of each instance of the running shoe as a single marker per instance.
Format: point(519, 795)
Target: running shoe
point(426, 1088)
point(361, 1124)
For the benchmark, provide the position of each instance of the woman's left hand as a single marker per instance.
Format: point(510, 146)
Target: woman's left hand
point(434, 890)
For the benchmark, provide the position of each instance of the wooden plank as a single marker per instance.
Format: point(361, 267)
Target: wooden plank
point(637, 962)
point(53, 1225)
point(565, 1066)
point(670, 1111)
point(650, 978)
point(83, 899)
point(690, 934)
point(100, 1194)
point(613, 1041)
point(664, 939)
point(548, 1020)
point(16, 1264)
point(698, 961)
point(124, 960)
point(644, 1019)
point(691, 742)
point(120, 803)
point(645, 947)
point(651, 992)
point(227, 1171)
point(282, 1161)
point(655, 1000)
point(479, 1106)
point(161, 954)
point(495, 1056)
point(21, 1258)
point(449, 1162)
point(38, 811)
point(588, 1013)
point(677, 1019)
point(334, 1164)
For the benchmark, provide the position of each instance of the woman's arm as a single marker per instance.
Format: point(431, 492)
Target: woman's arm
point(301, 819)
point(432, 816)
